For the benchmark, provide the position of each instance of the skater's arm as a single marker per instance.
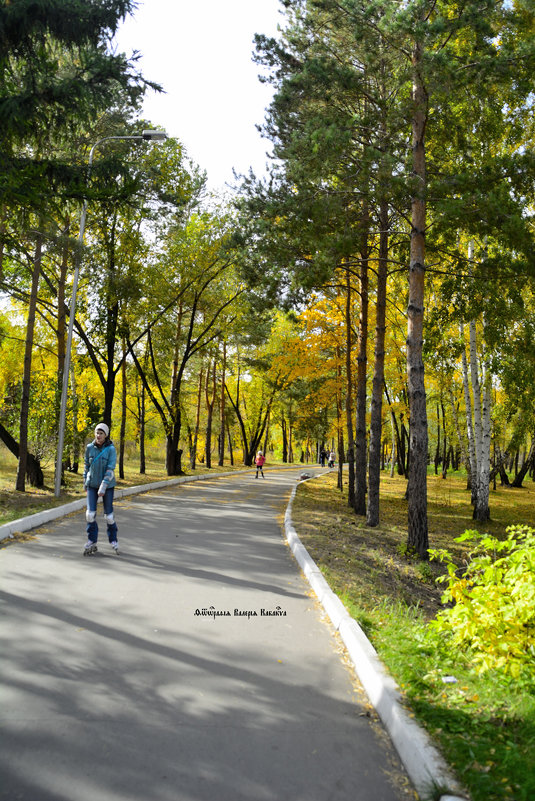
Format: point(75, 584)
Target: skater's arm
point(86, 465)
point(110, 468)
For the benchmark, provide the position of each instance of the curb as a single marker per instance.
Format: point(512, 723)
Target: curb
point(40, 518)
point(424, 764)
point(7, 530)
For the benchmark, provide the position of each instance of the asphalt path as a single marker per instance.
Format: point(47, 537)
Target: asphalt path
point(195, 666)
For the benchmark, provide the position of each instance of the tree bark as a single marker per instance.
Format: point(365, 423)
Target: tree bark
point(349, 395)
point(376, 425)
point(210, 400)
point(230, 450)
point(122, 435)
point(418, 537)
point(483, 510)
point(27, 371)
point(61, 322)
point(469, 423)
point(525, 467)
point(284, 430)
point(221, 441)
point(193, 454)
point(34, 472)
point(141, 415)
point(362, 370)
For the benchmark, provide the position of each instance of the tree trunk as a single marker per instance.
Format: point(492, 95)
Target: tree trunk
point(27, 372)
point(418, 538)
point(372, 517)
point(3, 228)
point(445, 458)
point(483, 510)
point(349, 395)
point(122, 435)
point(437, 449)
point(341, 460)
point(34, 472)
point(284, 429)
point(393, 456)
point(362, 370)
point(141, 413)
point(210, 379)
point(464, 454)
point(61, 323)
point(400, 449)
point(290, 438)
point(173, 456)
point(339, 423)
point(221, 441)
point(230, 450)
point(476, 394)
point(266, 434)
point(193, 453)
point(526, 466)
point(76, 438)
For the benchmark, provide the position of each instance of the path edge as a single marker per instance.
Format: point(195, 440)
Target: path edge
point(22, 524)
point(424, 764)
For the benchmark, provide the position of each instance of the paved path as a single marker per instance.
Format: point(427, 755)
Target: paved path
point(118, 686)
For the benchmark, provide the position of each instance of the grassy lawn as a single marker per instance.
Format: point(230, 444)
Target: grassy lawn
point(484, 726)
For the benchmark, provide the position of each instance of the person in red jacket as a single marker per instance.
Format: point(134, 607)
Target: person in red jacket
point(260, 462)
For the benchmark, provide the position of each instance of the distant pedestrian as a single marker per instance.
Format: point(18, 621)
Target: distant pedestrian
point(99, 481)
point(332, 458)
point(323, 456)
point(260, 462)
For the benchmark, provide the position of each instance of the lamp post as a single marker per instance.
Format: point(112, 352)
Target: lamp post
point(147, 136)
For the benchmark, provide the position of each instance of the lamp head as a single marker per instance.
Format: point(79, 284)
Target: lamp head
point(154, 136)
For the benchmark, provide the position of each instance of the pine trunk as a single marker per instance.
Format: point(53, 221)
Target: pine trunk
point(418, 538)
point(349, 397)
point(376, 426)
point(362, 369)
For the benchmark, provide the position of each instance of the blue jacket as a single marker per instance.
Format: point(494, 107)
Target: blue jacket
point(99, 464)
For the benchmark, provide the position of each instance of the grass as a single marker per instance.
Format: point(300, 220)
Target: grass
point(484, 726)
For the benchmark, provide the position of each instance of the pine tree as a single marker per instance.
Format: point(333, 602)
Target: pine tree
point(57, 74)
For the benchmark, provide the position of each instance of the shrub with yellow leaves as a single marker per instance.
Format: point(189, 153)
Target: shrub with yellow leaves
point(491, 603)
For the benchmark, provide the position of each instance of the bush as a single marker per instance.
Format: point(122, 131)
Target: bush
point(492, 603)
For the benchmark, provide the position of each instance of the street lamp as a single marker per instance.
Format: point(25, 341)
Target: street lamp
point(147, 136)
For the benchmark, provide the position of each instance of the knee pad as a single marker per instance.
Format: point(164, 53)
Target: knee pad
point(90, 516)
point(110, 520)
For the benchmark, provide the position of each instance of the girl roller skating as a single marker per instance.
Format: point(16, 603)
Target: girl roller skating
point(99, 481)
point(260, 462)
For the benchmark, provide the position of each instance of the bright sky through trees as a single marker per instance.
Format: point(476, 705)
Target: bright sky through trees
point(201, 53)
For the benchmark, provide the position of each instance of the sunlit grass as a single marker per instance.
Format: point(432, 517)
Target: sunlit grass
point(484, 726)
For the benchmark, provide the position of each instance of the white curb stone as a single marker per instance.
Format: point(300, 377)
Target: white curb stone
point(424, 764)
point(40, 518)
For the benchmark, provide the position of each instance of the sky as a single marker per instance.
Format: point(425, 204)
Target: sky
point(200, 52)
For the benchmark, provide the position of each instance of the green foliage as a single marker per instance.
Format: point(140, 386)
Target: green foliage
point(57, 75)
point(493, 612)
